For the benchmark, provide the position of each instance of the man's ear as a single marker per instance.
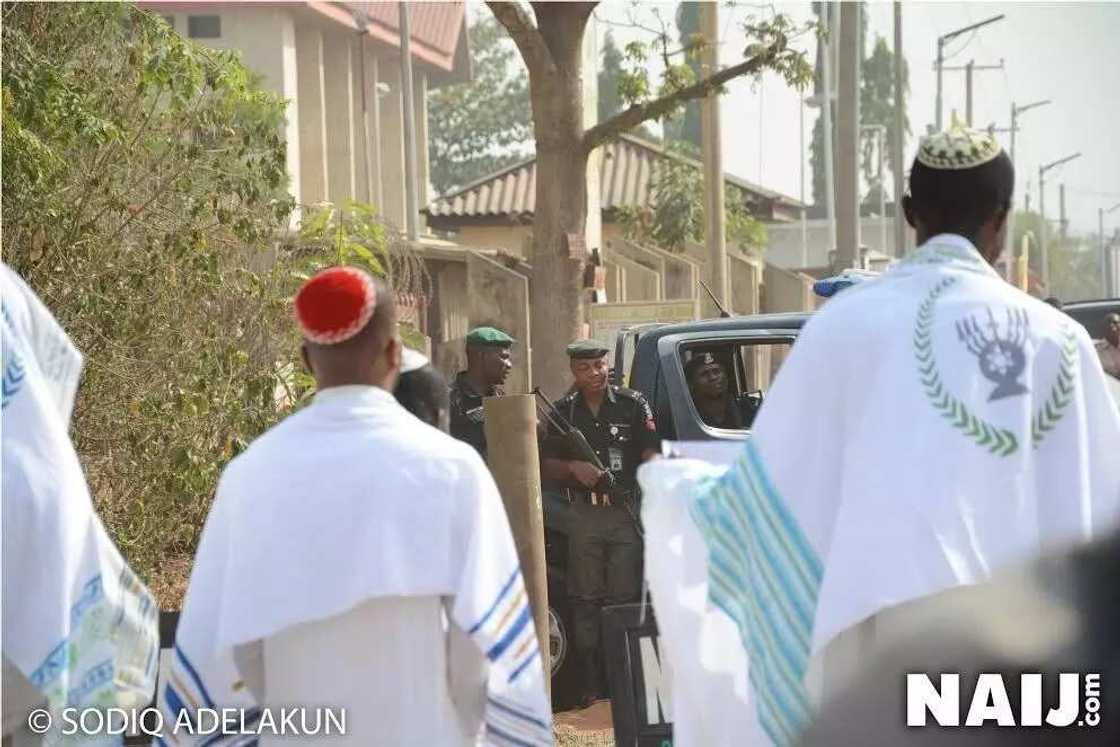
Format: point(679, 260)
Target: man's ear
point(306, 359)
point(908, 211)
point(393, 350)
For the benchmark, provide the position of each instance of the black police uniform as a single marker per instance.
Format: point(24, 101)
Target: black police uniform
point(604, 547)
point(467, 416)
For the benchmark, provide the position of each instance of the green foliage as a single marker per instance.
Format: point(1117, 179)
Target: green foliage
point(352, 234)
point(480, 127)
point(686, 127)
point(1074, 262)
point(144, 191)
point(877, 105)
point(677, 216)
point(616, 85)
point(770, 37)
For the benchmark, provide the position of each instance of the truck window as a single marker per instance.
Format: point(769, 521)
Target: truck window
point(728, 380)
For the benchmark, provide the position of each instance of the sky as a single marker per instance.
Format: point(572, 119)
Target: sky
point(1066, 52)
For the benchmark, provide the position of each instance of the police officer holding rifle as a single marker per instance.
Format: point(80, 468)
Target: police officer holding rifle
point(598, 435)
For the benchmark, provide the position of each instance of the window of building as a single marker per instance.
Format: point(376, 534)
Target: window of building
point(204, 27)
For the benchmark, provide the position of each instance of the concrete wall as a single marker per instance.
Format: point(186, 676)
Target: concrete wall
point(784, 290)
point(498, 296)
point(784, 241)
point(449, 319)
point(640, 283)
point(338, 78)
point(745, 277)
point(266, 39)
point(391, 136)
point(317, 66)
point(513, 239)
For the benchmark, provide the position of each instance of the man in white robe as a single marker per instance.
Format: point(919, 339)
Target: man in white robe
point(930, 426)
point(79, 629)
point(359, 559)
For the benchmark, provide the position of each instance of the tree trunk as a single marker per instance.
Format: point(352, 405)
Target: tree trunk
point(561, 195)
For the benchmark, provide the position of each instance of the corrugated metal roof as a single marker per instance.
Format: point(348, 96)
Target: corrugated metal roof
point(434, 24)
point(628, 165)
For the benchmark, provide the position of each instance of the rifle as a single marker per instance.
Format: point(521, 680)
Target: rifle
point(723, 313)
point(574, 440)
point(576, 444)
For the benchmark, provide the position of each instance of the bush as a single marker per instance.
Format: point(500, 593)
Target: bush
point(145, 200)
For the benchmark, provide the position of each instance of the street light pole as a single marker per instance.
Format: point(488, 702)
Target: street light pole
point(1016, 110)
point(941, 40)
point(1045, 257)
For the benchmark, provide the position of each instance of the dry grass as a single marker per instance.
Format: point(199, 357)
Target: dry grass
point(567, 736)
point(169, 581)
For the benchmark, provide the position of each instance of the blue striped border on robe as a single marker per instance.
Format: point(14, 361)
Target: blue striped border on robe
point(766, 577)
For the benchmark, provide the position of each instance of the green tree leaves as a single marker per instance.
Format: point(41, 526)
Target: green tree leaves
point(480, 127)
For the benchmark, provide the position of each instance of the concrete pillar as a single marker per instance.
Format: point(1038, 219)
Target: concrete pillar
point(511, 433)
point(314, 170)
point(420, 118)
point(391, 135)
point(338, 76)
point(847, 139)
point(360, 123)
point(373, 72)
point(289, 89)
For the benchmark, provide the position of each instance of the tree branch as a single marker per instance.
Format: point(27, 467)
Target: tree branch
point(630, 118)
point(524, 33)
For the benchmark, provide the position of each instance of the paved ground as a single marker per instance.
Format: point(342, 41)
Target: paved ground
point(590, 727)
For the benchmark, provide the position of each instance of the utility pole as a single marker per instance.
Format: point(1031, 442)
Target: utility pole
point(880, 145)
point(941, 41)
point(1043, 239)
point(1016, 110)
point(714, 234)
point(968, 92)
point(847, 139)
point(410, 189)
point(1062, 222)
point(896, 150)
point(969, 69)
point(804, 217)
point(832, 24)
point(1107, 270)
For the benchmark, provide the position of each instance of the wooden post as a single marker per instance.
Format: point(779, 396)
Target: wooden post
point(511, 439)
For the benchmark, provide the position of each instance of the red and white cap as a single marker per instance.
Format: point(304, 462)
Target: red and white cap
point(335, 304)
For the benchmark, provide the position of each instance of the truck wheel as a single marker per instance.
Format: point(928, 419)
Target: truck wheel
point(557, 641)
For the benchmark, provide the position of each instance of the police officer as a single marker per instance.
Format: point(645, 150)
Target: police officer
point(604, 547)
point(488, 365)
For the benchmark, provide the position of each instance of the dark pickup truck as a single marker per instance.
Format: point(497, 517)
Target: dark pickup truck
point(650, 358)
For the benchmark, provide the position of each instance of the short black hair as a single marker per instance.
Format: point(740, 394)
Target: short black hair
point(424, 393)
point(961, 200)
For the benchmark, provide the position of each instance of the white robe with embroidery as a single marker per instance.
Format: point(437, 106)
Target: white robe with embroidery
point(337, 545)
point(80, 630)
point(928, 428)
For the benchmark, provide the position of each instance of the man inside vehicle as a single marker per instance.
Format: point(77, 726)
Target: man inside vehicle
point(707, 381)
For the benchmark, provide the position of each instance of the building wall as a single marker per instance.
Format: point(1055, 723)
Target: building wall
point(266, 41)
point(317, 66)
point(784, 241)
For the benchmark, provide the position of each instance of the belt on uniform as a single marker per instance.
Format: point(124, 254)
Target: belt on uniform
point(601, 498)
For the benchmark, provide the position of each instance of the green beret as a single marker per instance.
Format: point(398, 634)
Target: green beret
point(489, 337)
point(586, 349)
